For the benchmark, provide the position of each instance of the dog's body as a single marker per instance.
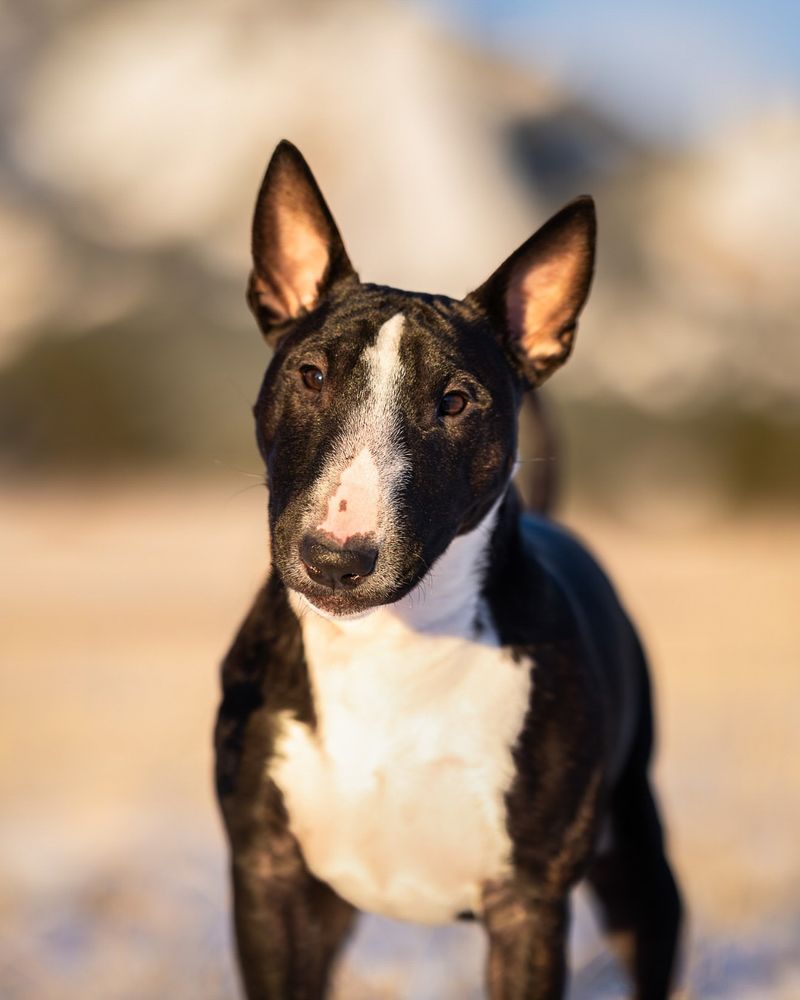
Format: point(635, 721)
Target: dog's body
point(436, 705)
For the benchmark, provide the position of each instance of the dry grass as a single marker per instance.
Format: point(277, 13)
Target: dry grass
point(116, 605)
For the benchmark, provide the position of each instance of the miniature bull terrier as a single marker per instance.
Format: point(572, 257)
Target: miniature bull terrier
point(436, 707)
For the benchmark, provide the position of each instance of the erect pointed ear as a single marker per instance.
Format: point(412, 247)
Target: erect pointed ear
point(298, 254)
point(534, 298)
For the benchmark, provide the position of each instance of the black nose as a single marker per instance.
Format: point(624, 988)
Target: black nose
point(335, 567)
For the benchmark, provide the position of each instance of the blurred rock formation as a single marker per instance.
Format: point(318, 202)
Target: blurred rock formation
point(135, 137)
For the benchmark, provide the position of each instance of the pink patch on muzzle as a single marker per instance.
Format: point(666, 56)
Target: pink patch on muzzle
point(353, 508)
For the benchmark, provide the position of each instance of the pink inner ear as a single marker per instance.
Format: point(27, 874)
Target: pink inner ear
point(539, 304)
point(299, 260)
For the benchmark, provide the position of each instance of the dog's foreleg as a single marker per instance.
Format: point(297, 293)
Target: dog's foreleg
point(527, 941)
point(289, 928)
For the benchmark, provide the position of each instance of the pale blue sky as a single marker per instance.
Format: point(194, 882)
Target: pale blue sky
point(672, 70)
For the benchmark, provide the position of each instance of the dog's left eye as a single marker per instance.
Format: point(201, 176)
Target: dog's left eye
point(452, 404)
point(313, 377)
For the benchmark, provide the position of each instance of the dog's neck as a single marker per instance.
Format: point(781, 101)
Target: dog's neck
point(446, 602)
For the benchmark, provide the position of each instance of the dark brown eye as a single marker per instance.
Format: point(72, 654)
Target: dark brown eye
point(313, 377)
point(452, 404)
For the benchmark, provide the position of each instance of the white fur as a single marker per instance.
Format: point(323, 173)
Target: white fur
point(366, 467)
point(384, 358)
point(397, 799)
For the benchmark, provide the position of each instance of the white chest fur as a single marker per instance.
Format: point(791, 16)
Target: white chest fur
point(397, 798)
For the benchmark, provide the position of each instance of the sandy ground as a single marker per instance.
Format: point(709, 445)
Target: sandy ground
point(115, 607)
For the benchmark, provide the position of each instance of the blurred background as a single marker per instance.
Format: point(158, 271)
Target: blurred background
point(132, 512)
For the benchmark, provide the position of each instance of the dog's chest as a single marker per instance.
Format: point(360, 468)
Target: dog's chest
point(397, 798)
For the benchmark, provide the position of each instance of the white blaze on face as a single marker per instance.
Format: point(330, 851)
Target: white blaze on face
point(362, 476)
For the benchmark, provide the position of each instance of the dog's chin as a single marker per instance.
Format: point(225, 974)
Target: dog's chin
point(330, 609)
point(341, 604)
point(337, 605)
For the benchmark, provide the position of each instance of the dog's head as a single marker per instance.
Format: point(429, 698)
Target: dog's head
point(387, 419)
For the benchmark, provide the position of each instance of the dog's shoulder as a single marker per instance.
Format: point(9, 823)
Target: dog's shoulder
point(262, 673)
point(572, 569)
point(544, 586)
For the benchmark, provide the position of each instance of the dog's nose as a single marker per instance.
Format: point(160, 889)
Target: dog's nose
point(337, 567)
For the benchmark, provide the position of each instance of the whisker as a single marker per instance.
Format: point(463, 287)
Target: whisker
point(234, 468)
point(244, 489)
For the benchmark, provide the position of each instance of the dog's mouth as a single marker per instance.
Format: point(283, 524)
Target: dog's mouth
point(343, 579)
point(335, 606)
point(345, 602)
point(336, 580)
point(352, 596)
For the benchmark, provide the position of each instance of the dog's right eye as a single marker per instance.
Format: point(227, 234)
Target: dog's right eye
point(452, 403)
point(313, 377)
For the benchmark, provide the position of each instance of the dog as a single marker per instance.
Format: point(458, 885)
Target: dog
point(437, 707)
